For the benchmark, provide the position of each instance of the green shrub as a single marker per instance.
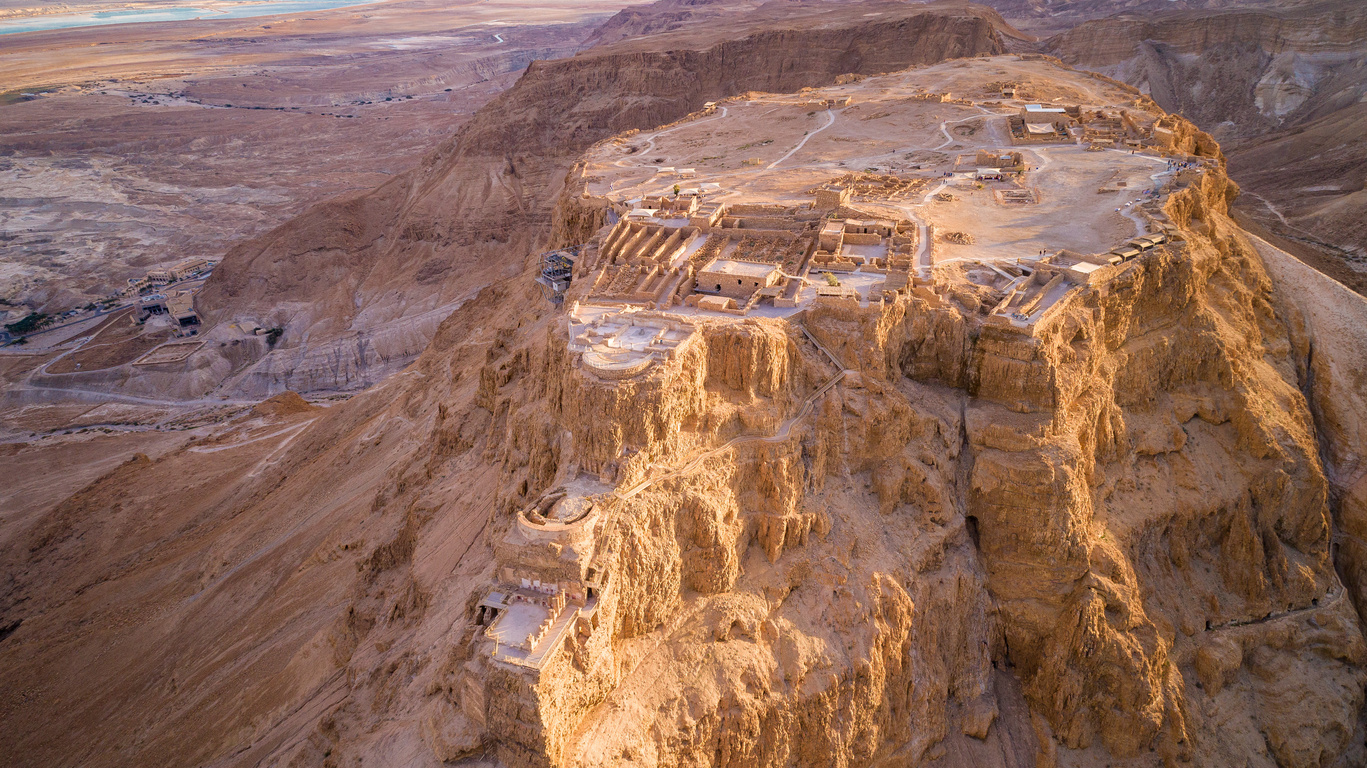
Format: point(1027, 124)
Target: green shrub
point(29, 324)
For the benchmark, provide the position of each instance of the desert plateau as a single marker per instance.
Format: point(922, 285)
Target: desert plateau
point(727, 383)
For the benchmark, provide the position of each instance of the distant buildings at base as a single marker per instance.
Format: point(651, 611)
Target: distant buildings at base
point(157, 278)
point(179, 305)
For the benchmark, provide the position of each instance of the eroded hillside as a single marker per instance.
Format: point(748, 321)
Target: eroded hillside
point(128, 147)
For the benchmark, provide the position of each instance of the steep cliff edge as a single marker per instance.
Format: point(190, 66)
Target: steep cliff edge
point(1067, 548)
point(1324, 320)
point(1124, 514)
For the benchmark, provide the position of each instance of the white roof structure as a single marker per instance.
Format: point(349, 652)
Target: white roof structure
point(1040, 128)
point(1043, 109)
point(620, 345)
point(739, 268)
point(989, 171)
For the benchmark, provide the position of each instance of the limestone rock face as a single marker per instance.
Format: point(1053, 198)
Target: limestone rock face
point(1331, 368)
point(1125, 510)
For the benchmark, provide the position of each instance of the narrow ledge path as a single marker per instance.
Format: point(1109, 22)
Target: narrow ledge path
point(1333, 596)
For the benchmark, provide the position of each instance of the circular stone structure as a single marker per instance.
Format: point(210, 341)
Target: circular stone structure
point(617, 364)
point(616, 345)
point(570, 509)
point(564, 509)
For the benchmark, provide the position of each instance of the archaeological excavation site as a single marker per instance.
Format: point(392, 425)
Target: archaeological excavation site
point(763, 385)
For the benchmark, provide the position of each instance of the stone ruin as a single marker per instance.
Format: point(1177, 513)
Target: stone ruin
point(620, 345)
point(868, 187)
point(731, 258)
point(868, 245)
point(550, 578)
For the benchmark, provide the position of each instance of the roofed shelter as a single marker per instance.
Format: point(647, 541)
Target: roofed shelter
point(737, 279)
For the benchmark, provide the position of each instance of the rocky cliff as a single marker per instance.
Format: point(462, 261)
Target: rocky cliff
point(1110, 539)
point(1321, 316)
point(882, 535)
point(1114, 539)
point(1242, 71)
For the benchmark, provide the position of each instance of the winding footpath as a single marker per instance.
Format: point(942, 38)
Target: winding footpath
point(1334, 595)
point(650, 140)
point(923, 261)
point(230, 446)
point(944, 127)
point(830, 120)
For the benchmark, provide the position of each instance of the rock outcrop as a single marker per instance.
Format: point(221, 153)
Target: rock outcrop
point(1243, 71)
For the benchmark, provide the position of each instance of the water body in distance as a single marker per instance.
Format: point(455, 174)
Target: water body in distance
point(168, 13)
